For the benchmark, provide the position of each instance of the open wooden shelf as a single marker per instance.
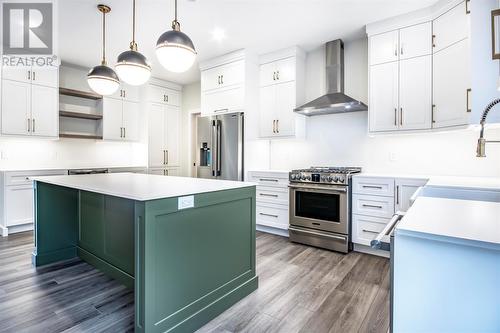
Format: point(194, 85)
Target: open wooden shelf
point(80, 136)
point(79, 93)
point(80, 115)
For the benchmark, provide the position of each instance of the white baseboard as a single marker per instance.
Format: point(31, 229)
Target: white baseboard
point(271, 230)
point(369, 250)
point(15, 229)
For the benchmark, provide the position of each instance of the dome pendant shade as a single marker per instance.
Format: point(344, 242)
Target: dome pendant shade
point(133, 68)
point(103, 80)
point(175, 51)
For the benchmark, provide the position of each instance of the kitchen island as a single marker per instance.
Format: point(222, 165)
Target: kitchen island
point(186, 245)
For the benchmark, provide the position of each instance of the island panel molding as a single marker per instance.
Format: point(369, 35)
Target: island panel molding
point(187, 266)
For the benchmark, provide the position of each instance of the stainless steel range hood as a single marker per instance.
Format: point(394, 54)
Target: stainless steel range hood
point(334, 101)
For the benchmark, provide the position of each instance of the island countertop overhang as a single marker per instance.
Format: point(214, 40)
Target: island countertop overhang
point(142, 187)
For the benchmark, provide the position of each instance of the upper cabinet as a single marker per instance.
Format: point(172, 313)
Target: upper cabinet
point(281, 90)
point(162, 95)
point(228, 83)
point(419, 74)
point(30, 105)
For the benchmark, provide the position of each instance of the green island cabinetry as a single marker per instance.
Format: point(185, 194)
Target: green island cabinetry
point(188, 251)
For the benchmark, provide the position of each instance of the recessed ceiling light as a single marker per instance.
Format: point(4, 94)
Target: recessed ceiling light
point(218, 34)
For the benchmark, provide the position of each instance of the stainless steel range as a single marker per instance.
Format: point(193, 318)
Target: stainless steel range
point(320, 204)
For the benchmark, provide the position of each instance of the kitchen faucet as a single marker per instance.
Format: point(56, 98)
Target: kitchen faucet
point(481, 142)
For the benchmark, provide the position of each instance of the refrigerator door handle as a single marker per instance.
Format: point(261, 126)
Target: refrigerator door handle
point(219, 157)
point(214, 147)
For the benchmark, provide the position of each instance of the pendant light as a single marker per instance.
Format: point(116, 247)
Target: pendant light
point(103, 79)
point(174, 49)
point(133, 67)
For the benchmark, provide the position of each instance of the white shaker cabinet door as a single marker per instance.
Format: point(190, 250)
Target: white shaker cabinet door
point(451, 27)
point(172, 128)
point(451, 83)
point(267, 110)
point(48, 77)
point(16, 107)
point(285, 103)
point(44, 111)
point(383, 105)
point(157, 144)
point(285, 70)
point(112, 128)
point(405, 188)
point(131, 121)
point(384, 47)
point(267, 74)
point(415, 41)
point(415, 87)
point(18, 205)
point(17, 73)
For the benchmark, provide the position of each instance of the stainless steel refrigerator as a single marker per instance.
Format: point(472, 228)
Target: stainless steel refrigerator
point(220, 146)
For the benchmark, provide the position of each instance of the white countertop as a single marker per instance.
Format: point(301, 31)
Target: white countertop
point(142, 187)
point(468, 220)
point(69, 167)
point(469, 183)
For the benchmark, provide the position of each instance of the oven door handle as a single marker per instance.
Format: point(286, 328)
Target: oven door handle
point(382, 241)
point(316, 189)
point(316, 233)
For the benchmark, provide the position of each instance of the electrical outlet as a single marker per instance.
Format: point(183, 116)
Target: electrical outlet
point(393, 156)
point(185, 202)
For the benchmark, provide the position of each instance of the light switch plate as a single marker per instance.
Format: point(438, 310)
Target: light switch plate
point(185, 202)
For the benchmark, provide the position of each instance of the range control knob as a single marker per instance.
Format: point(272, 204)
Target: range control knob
point(329, 178)
point(336, 179)
point(308, 177)
point(292, 176)
point(323, 178)
point(341, 179)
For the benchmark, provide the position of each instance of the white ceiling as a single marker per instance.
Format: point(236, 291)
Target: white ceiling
point(259, 25)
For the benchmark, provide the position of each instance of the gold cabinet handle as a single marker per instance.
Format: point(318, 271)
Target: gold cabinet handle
point(433, 40)
point(29, 125)
point(432, 113)
point(33, 127)
point(395, 116)
point(29, 75)
point(401, 116)
point(34, 76)
point(274, 126)
point(277, 124)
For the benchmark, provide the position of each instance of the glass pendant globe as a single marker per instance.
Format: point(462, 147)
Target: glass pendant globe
point(175, 51)
point(133, 68)
point(103, 80)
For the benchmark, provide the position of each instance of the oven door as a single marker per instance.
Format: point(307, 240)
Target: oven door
point(319, 207)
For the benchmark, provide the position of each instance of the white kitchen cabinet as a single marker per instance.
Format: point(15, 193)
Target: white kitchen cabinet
point(281, 80)
point(366, 228)
point(451, 27)
point(19, 205)
point(384, 47)
point(126, 92)
point(222, 76)
point(164, 135)
point(272, 200)
point(383, 104)
point(228, 84)
point(130, 120)
point(16, 107)
point(120, 119)
point(30, 102)
point(17, 199)
point(415, 41)
point(405, 188)
point(415, 87)
point(44, 76)
point(451, 85)
point(158, 94)
point(44, 121)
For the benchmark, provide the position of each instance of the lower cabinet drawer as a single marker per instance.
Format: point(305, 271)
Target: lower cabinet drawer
point(22, 177)
point(366, 228)
point(270, 215)
point(272, 195)
point(269, 179)
point(19, 205)
point(372, 205)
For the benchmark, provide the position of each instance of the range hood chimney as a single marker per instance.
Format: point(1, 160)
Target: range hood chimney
point(334, 101)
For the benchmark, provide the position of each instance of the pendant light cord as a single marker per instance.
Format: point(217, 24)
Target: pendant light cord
point(104, 38)
point(133, 44)
point(175, 24)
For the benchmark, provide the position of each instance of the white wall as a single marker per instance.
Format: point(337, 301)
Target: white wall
point(30, 153)
point(341, 139)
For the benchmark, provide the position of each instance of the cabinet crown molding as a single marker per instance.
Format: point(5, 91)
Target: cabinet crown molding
point(412, 18)
point(289, 52)
point(241, 54)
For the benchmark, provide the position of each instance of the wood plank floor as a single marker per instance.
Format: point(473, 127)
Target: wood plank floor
point(301, 289)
